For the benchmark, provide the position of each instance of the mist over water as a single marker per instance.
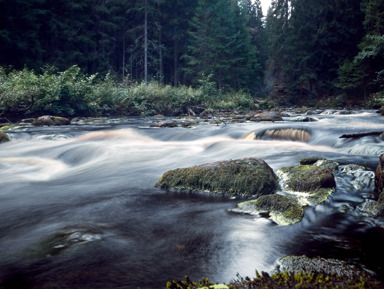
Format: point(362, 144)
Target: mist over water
point(79, 208)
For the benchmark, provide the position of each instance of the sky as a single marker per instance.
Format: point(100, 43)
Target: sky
point(265, 5)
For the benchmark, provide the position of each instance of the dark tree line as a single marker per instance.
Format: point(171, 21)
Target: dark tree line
point(325, 48)
point(303, 47)
point(176, 42)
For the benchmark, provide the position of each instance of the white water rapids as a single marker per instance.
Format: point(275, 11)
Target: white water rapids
point(79, 208)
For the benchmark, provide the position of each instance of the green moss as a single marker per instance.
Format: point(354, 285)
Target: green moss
point(250, 176)
point(311, 184)
point(286, 280)
point(308, 178)
point(283, 210)
point(3, 137)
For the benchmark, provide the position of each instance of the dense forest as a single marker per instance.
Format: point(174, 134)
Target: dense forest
point(302, 50)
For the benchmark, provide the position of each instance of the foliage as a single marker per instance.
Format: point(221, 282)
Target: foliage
point(302, 51)
point(188, 284)
point(284, 280)
point(308, 41)
point(25, 93)
point(60, 93)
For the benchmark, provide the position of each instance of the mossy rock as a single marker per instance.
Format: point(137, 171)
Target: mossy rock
point(51, 120)
point(327, 164)
point(3, 137)
point(296, 264)
point(266, 116)
point(245, 177)
point(310, 184)
point(283, 210)
point(165, 123)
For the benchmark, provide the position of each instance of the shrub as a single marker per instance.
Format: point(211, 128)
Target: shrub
point(284, 280)
point(68, 93)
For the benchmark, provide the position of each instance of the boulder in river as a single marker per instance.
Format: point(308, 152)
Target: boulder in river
point(281, 209)
point(51, 120)
point(245, 177)
point(3, 137)
point(310, 184)
point(165, 123)
point(266, 116)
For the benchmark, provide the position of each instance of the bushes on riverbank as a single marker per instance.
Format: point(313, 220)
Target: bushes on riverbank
point(72, 93)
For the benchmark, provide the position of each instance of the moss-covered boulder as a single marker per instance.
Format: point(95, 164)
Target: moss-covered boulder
point(246, 177)
point(281, 209)
point(3, 137)
point(296, 264)
point(50, 120)
point(311, 184)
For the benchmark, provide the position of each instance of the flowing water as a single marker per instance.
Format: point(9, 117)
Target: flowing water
point(79, 208)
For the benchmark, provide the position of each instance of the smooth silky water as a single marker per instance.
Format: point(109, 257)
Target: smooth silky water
point(79, 208)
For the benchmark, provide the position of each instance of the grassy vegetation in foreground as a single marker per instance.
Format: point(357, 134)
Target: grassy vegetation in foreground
point(282, 280)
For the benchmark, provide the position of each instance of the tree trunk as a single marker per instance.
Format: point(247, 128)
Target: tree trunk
point(146, 42)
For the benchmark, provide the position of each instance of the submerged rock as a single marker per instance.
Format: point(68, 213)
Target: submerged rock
point(3, 137)
point(368, 207)
point(290, 134)
point(63, 240)
point(302, 119)
point(246, 177)
point(296, 264)
point(370, 149)
point(281, 209)
point(50, 120)
point(310, 184)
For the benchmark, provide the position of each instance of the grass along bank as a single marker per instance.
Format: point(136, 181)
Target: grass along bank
point(70, 93)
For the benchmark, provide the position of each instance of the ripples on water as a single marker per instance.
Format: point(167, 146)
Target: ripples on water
point(79, 209)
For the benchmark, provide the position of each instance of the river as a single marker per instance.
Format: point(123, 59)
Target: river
point(79, 208)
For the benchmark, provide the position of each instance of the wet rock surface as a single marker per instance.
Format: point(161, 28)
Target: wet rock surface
point(50, 120)
point(246, 177)
point(281, 209)
point(310, 184)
